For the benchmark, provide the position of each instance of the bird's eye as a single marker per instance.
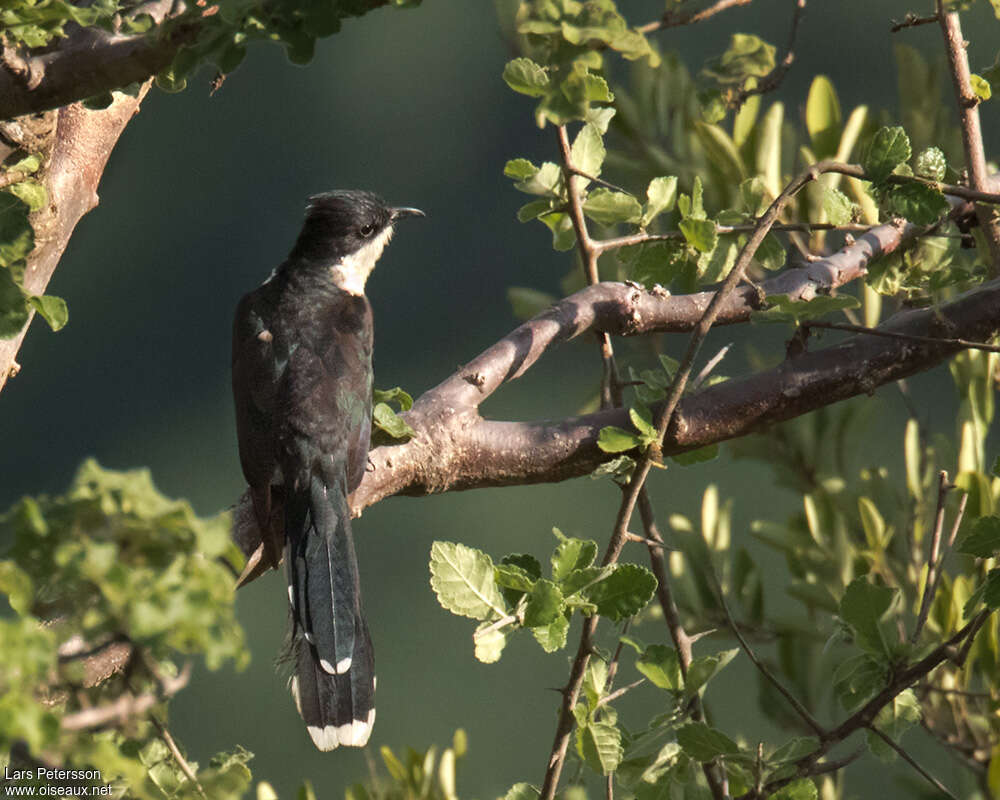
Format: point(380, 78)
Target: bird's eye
point(367, 230)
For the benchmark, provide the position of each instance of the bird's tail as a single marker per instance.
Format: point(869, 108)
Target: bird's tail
point(334, 680)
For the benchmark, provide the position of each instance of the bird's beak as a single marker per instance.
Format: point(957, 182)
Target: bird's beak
point(399, 213)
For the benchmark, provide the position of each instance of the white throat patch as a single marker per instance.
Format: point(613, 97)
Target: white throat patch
point(351, 272)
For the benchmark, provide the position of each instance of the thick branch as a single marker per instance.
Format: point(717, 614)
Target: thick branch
point(83, 142)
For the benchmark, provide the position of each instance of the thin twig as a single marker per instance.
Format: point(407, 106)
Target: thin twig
point(972, 134)
point(175, 751)
point(956, 524)
point(932, 558)
point(713, 362)
point(675, 20)
point(909, 337)
point(602, 245)
point(793, 701)
point(773, 79)
point(600, 181)
point(909, 760)
point(610, 698)
point(911, 20)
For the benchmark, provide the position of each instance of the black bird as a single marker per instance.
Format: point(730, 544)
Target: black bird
point(302, 383)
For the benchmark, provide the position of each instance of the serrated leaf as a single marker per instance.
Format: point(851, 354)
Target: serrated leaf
point(31, 193)
point(14, 308)
point(615, 440)
point(525, 76)
point(588, 151)
point(771, 253)
point(863, 607)
point(511, 576)
point(388, 421)
point(703, 669)
point(801, 789)
point(642, 419)
point(53, 310)
point(889, 148)
point(520, 169)
point(837, 206)
point(983, 541)
point(624, 593)
point(489, 645)
point(902, 712)
point(545, 604)
point(980, 87)
point(609, 207)
point(701, 234)
point(709, 452)
point(661, 195)
point(563, 235)
point(661, 665)
point(704, 743)
point(931, 163)
point(462, 579)
point(546, 181)
point(600, 745)
point(17, 238)
point(572, 554)
point(917, 203)
point(552, 637)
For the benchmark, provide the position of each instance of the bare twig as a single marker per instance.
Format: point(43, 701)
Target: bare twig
point(773, 79)
point(126, 706)
point(843, 326)
point(804, 227)
point(972, 134)
point(713, 362)
point(175, 751)
point(911, 20)
point(617, 693)
point(912, 762)
point(932, 558)
point(764, 670)
point(677, 19)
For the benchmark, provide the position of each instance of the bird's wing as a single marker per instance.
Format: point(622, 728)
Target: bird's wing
point(257, 367)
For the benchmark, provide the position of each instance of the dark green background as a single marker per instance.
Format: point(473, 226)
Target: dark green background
point(204, 196)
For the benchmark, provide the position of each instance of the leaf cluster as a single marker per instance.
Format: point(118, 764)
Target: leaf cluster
point(113, 563)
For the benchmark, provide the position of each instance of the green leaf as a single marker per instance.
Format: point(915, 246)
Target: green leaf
point(802, 789)
point(588, 151)
point(872, 523)
point(823, 117)
point(526, 303)
point(545, 604)
point(51, 308)
point(609, 207)
point(704, 743)
point(642, 419)
point(661, 665)
point(14, 308)
point(837, 206)
point(520, 169)
point(511, 576)
point(721, 150)
point(521, 791)
point(917, 203)
point(563, 235)
point(16, 584)
point(396, 395)
point(771, 253)
point(534, 210)
point(552, 637)
point(624, 593)
point(889, 148)
point(600, 745)
point(747, 56)
point(863, 607)
point(655, 263)
point(489, 644)
point(703, 669)
point(980, 87)
point(700, 456)
point(902, 712)
point(31, 193)
point(462, 578)
point(931, 163)
point(17, 238)
point(525, 76)
point(793, 750)
point(661, 195)
point(515, 575)
point(572, 554)
point(699, 233)
point(983, 541)
point(546, 181)
point(389, 422)
point(784, 309)
point(614, 440)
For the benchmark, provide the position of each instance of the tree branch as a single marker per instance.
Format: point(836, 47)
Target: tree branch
point(673, 19)
point(81, 143)
point(972, 134)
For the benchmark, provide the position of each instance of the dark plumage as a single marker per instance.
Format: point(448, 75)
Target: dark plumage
point(302, 384)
